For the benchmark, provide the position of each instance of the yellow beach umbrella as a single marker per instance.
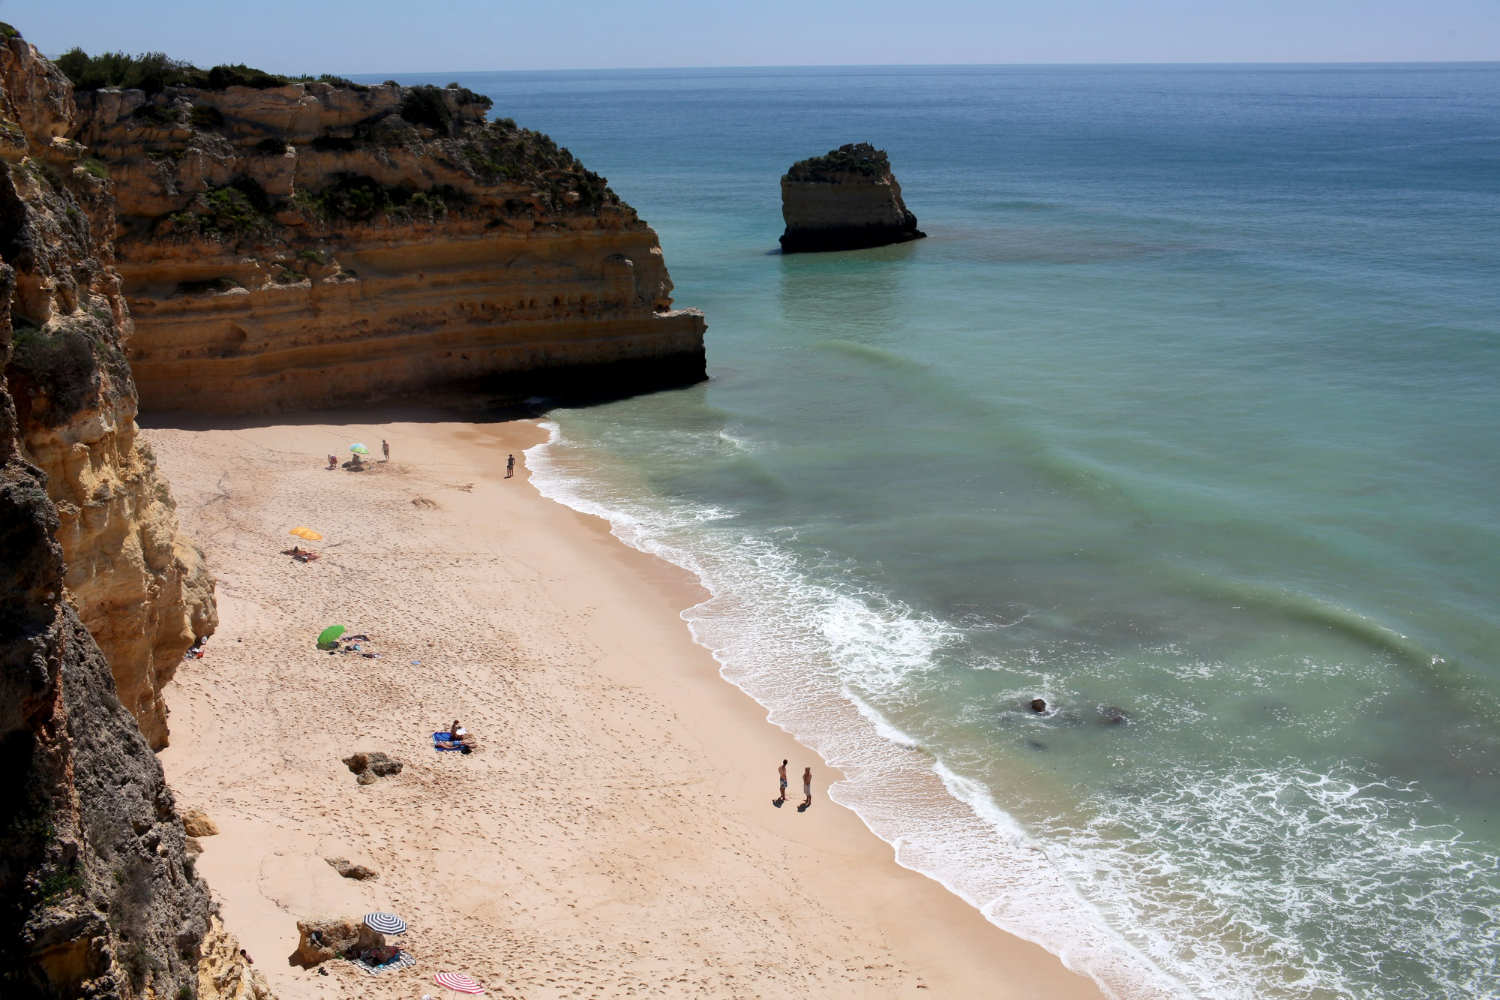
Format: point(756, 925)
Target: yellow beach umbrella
point(307, 533)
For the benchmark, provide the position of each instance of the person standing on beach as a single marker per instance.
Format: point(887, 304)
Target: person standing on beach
point(807, 786)
point(510, 467)
point(385, 449)
point(782, 771)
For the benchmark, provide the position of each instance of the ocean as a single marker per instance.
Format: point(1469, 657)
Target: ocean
point(1185, 418)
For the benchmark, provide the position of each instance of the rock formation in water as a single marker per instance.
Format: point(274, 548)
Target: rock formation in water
point(306, 244)
point(98, 896)
point(140, 588)
point(846, 200)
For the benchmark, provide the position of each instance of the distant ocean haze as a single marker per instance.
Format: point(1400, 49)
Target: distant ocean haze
point(1184, 418)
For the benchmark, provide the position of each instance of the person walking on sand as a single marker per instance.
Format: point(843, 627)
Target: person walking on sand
point(510, 467)
point(807, 786)
point(385, 449)
point(782, 772)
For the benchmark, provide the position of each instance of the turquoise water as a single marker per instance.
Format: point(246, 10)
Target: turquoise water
point(1185, 417)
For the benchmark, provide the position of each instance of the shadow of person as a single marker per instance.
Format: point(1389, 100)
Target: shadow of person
point(804, 807)
point(778, 803)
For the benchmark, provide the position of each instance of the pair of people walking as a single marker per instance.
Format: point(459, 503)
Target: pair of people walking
point(806, 787)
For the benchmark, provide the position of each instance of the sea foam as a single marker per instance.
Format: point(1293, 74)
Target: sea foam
point(801, 649)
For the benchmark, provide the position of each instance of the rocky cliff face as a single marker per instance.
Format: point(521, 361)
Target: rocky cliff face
point(845, 200)
point(316, 244)
point(140, 588)
point(98, 897)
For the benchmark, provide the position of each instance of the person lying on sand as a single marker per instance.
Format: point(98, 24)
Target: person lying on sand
point(300, 554)
point(380, 956)
point(458, 739)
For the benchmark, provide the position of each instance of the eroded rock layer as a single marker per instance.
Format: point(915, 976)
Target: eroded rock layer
point(139, 586)
point(318, 244)
point(846, 200)
point(98, 896)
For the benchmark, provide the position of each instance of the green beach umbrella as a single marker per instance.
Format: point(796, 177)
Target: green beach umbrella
point(359, 449)
point(329, 634)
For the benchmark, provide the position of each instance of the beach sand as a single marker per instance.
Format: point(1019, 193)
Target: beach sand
point(615, 835)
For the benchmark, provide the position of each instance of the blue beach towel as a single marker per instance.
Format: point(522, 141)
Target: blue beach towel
point(440, 738)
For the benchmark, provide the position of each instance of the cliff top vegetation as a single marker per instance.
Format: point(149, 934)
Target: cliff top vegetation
point(154, 72)
point(850, 158)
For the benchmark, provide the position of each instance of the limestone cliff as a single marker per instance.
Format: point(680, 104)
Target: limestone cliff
point(136, 584)
point(321, 243)
point(98, 896)
point(846, 200)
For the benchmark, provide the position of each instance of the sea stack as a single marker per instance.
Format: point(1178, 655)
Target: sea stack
point(846, 200)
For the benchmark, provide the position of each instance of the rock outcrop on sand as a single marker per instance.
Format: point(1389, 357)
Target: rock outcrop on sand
point(306, 244)
point(370, 767)
point(98, 894)
point(138, 585)
point(846, 200)
point(320, 941)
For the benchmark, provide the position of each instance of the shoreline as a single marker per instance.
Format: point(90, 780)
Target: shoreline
point(623, 789)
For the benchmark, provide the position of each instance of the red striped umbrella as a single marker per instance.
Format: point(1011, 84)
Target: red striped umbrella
point(457, 982)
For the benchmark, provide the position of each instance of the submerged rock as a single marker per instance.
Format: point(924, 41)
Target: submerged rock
point(846, 200)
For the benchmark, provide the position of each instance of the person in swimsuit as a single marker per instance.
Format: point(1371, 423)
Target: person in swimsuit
point(385, 449)
point(510, 467)
point(807, 786)
point(782, 771)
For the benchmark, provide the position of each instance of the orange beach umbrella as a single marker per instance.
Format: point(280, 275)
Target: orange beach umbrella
point(307, 533)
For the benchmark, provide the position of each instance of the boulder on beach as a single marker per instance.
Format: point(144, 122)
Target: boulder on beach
point(846, 200)
point(372, 765)
point(319, 941)
point(196, 824)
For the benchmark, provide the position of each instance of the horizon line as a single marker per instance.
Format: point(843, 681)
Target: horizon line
point(996, 65)
point(964, 65)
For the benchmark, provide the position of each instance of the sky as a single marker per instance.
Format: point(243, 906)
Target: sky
point(401, 36)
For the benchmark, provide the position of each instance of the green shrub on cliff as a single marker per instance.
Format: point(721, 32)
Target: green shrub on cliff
point(850, 158)
point(340, 82)
point(240, 75)
point(61, 367)
point(205, 116)
point(239, 208)
point(156, 114)
point(467, 96)
point(150, 71)
point(153, 72)
point(426, 105)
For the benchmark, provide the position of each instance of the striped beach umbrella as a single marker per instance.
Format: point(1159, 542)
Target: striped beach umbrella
point(457, 982)
point(385, 923)
point(359, 449)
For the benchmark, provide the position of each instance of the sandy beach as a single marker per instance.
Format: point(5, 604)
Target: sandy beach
point(614, 835)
